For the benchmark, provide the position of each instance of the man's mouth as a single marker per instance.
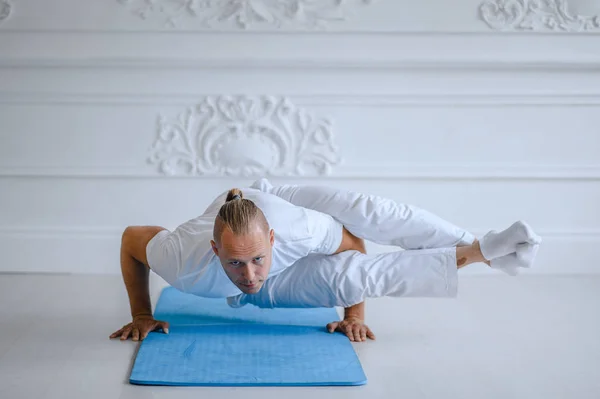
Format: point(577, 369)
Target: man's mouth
point(250, 286)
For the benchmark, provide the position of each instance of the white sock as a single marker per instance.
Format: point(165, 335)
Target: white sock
point(494, 245)
point(526, 253)
point(523, 257)
point(507, 264)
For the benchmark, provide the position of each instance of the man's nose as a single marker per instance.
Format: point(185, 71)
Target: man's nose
point(248, 273)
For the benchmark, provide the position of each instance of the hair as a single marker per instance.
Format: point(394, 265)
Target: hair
point(239, 215)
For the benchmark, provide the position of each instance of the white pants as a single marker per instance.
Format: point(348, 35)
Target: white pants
point(425, 268)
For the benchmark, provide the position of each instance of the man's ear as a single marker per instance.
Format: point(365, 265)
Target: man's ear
point(272, 237)
point(214, 247)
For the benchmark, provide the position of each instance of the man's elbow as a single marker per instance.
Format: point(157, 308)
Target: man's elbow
point(351, 243)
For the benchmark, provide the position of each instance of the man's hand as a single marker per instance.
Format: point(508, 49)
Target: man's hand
point(140, 327)
point(354, 328)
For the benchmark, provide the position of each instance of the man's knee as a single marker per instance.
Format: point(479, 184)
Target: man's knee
point(134, 241)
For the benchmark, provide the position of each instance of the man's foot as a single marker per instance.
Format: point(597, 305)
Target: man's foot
point(497, 244)
point(523, 257)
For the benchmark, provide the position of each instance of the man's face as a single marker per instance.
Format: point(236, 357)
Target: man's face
point(246, 259)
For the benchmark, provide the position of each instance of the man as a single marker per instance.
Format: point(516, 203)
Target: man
point(303, 246)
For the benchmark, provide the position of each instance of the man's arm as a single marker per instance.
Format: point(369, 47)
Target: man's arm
point(136, 278)
point(354, 316)
point(351, 242)
point(135, 271)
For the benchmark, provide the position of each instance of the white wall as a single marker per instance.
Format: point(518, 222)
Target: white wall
point(480, 114)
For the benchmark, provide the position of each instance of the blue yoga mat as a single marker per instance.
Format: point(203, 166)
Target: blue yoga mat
point(211, 344)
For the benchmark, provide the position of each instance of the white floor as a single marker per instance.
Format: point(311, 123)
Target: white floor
point(525, 337)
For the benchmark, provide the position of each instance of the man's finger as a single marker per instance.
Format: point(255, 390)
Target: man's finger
point(121, 330)
point(165, 326)
point(144, 333)
point(363, 333)
point(125, 334)
point(332, 326)
point(136, 334)
point(116, 333)
point(356, 329)
point(370, 334)
point(350, 333)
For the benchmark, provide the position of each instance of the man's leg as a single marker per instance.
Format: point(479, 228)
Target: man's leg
point(384, 221)
point(350, 277)
point(377, 219)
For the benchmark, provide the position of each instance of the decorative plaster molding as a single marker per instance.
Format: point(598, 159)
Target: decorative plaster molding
point(245, 136)
point(5, 10)
point(535, 15)
point(244, 14)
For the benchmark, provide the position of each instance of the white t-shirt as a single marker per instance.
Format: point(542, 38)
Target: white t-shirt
point(185, 259)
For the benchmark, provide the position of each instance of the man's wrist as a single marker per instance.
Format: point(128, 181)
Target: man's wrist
point(141, 314)
point(353, 318)
point(355, 312)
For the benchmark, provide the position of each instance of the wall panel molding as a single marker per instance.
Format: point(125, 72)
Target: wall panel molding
point(421, 65)
point(236, 51)
point(389, 171)
point(63, 248)
point(115, 232)
point(198, 136)
point(337, 100)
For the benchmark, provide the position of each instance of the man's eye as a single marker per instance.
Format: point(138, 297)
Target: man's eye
point(234, 263)
point(258, 259)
